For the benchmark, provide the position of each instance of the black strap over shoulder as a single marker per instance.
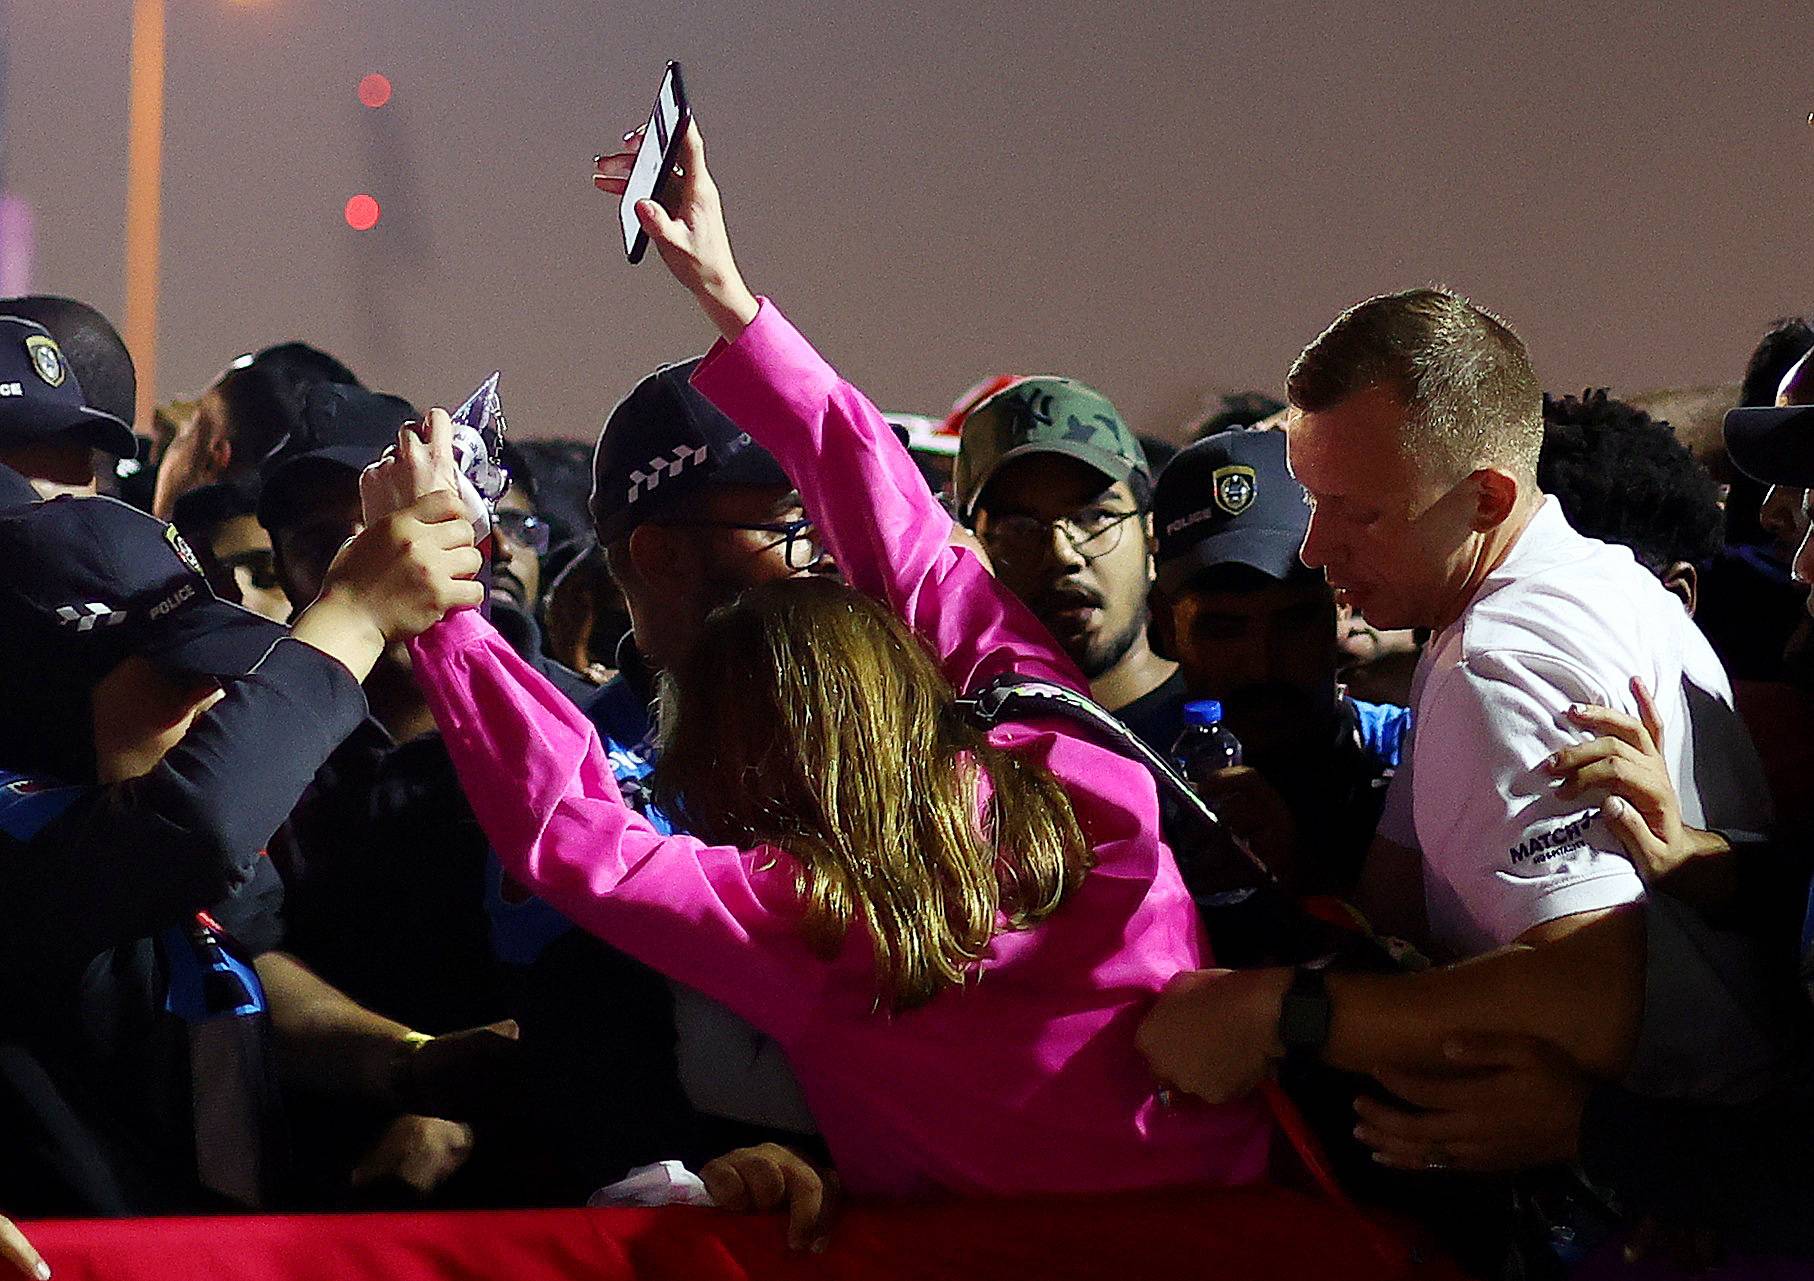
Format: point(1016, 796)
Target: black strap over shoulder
point(1019, 698)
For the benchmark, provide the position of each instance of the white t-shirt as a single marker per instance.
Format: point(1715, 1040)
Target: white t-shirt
point(1565, 619)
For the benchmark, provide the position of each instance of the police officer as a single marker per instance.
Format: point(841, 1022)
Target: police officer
point(1251, 627)
point(49, 433)
point(394, 895)
point(152, 738)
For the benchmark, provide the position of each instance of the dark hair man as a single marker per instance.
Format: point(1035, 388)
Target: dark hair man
point(1416, 434)
point(1251, 627)
point(153, 737)
point(49, 432)
point(1058, 490)
point(243, 416)
point(1752, 605)
point(1624, 478)
point(221, 523)
point(691, 513)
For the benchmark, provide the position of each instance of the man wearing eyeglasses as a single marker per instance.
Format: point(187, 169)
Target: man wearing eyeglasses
point(1058, 489)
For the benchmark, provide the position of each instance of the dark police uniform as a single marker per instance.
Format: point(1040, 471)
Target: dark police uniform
point(133, 1055)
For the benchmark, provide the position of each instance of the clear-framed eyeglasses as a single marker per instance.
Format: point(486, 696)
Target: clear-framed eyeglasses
point(1092, 533)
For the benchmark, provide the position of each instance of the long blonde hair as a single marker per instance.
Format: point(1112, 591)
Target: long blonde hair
point(808, 717)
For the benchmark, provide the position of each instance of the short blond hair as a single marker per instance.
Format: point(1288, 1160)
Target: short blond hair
point(1466, 378)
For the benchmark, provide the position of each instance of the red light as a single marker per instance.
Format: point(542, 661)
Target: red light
point(375, 90)
point(362, 212)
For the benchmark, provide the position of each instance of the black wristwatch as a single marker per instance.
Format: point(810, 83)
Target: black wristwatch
point(1304, 1014)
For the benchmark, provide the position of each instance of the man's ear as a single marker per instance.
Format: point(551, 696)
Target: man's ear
point(220, 454)
point(656, 552)
point(1683, 581)
point(1159, 631)
point(1495, 496)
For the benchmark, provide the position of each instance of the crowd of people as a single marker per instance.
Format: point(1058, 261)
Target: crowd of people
point(1398, 792)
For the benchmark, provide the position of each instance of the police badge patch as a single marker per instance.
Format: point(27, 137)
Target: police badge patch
point(46, 359)
point(183, 550)
point(1233, 488)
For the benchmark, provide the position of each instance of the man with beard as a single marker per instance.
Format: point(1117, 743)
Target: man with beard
point(1059, 491)
point(1251, 627)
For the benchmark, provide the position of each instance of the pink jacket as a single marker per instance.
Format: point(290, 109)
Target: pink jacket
point(1024, 1081)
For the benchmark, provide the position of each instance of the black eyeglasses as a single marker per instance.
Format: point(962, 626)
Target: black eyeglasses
point(1092, 533)
point(525, 528)
point(800, 546)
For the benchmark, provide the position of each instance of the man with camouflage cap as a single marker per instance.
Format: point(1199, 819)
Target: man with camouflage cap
point(1058, 489)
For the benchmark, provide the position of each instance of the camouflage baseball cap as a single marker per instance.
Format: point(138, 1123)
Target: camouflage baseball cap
point(1045, 415)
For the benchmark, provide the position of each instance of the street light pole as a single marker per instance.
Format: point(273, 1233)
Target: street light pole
point(144, 195)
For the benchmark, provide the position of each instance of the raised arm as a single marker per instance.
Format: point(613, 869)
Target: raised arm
point(881, 523)
point(721, 920)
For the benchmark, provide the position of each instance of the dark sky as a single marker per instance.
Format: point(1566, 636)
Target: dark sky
point(1162, 199)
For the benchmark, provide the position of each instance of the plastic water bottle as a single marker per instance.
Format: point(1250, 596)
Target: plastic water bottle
point(1205, 745)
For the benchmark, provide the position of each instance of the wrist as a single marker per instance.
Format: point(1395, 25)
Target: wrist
point(338, 625)
point(1305, 1014)
point(730, 304)
point(1269, 990)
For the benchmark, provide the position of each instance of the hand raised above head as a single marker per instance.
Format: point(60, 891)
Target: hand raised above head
point(689, 232)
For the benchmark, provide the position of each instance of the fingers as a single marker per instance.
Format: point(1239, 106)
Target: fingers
point(17, 1251)
point(1647, 711)
point(659, 224)
point(725, 1184)
point(440, 440)
point(1439, 1126)
point(692, 149)
point(1631, 830)
point(1604, 720)
point(805, 1206)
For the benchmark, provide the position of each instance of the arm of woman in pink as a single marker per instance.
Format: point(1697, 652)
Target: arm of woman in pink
point(719, 919)
point(722, 920)
point(882, 525)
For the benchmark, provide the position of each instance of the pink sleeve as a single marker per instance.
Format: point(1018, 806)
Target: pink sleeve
point(722, 920)
point(881, 523)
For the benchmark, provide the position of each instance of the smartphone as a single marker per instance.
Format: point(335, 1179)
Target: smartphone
point(656, 158)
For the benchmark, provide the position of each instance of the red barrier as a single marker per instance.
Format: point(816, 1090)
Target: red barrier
point(1250, 1235)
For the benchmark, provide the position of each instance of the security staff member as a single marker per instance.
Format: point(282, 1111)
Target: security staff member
point(152, 738)
point(1250, 626)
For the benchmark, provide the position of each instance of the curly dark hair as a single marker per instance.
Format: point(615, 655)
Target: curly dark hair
point(1622, 477)
point(1786, 342)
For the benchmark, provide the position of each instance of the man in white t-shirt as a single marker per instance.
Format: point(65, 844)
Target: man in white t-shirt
point(1415, 431)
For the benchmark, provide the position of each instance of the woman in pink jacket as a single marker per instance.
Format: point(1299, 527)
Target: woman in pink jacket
point(952, 933)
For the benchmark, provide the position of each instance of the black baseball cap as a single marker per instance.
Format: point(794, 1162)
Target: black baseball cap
point(1773, 445)
point(87, 583)
point(663, 442)
point(1229, 498)
point(342, 428)
point(41, 401)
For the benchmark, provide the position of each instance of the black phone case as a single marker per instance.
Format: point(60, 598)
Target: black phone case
point(683, 122)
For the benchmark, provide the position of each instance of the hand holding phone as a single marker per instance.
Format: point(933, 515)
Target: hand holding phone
point(691, 238)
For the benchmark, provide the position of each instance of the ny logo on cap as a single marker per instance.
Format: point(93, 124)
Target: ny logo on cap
point(671, 464)
point(85, 618)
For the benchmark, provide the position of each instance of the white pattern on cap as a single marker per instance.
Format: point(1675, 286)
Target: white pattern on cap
point(671, 464)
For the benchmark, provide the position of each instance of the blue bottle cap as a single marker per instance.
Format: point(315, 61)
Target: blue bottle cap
point(1203, 711)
